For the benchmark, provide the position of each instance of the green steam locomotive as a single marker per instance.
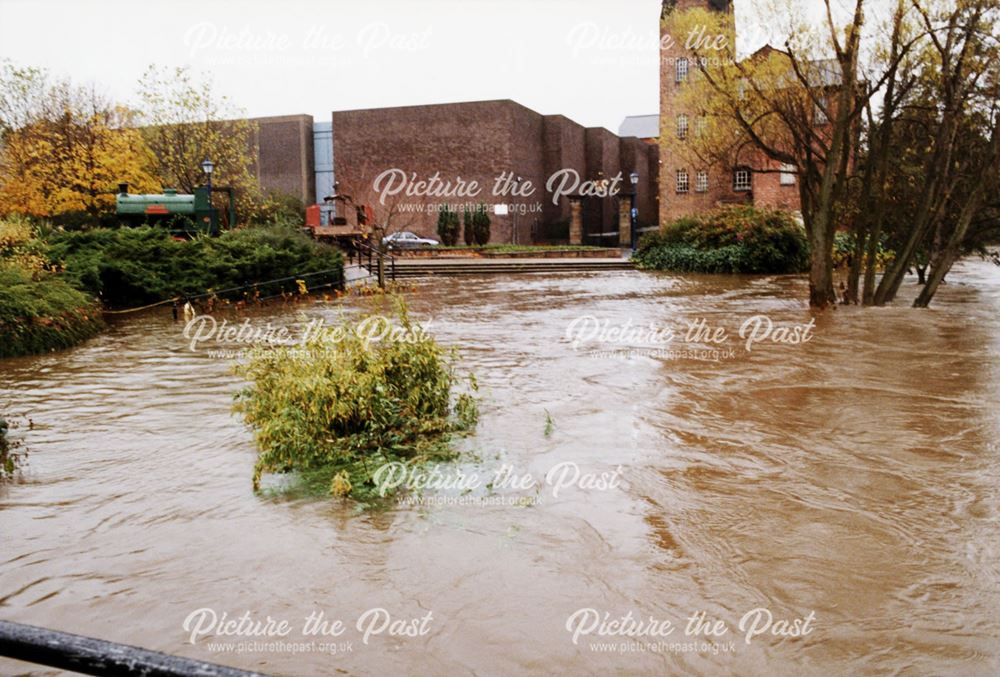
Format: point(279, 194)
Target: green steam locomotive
point(183, 214)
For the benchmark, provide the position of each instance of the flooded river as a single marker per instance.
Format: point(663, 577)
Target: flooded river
point(848, 485)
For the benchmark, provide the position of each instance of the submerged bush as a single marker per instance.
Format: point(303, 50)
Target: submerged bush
point(352, 398)
point(12, 452)
point(843, 251)
point(742, 239)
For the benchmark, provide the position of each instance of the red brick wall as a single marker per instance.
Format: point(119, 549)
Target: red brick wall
point(769, 192)
point(603, 154)
point(471, 141)
point(528, 161)
point(563, 146)
point(285, 162)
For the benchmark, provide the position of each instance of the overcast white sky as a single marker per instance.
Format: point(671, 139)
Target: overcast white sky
point(594, 61)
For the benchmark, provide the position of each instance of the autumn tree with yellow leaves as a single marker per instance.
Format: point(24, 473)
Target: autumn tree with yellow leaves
point(776, 110)
point(185, 121)
point(839, 104)
point(64, 149)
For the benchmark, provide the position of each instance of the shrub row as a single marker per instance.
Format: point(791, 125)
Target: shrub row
point(741, 239)
point(135, 266)
point(52, 286)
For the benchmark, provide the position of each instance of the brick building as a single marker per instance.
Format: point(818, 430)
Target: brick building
point(686, 186)
point(487, 142)
point(477, 141)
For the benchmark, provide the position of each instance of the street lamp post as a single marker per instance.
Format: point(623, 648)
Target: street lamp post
point(208, 167)
point(633, 212)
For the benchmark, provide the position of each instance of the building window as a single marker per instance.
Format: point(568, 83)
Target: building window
point(787, 176)
point(682, 126)
point(681, 70)
point(682, 181)
point(701, 182)
point(742, 180)
point(700, 125)
point(819, 111)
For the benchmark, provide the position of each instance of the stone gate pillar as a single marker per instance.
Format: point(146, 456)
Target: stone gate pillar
point(575, 221)
point(624, 222)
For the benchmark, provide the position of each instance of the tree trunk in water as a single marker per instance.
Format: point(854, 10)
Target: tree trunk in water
point(821, 293)
point(854, 272)
point(871, 262)
point(949, 254)
point(938, 272)
point(937, 168)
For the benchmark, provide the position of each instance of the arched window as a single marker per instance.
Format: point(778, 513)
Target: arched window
point(682, 126)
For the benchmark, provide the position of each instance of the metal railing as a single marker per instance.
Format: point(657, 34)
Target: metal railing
point(373, 260)
point(90, 656)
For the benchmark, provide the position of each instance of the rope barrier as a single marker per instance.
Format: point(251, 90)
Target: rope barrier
point(191, 297)
point(135, 310)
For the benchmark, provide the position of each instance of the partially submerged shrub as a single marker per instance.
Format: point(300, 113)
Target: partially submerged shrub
point(41, 312)
point(371, 391)
point(12, 451)
point(49, 280)
point(741, 239)
point(843, 251)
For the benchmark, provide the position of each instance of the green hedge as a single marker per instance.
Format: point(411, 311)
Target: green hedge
point(50, 281)
point(41, 312)
point(740, 239)
point(134, 266)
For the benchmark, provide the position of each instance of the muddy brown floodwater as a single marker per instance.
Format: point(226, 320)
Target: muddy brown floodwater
point(853, 479)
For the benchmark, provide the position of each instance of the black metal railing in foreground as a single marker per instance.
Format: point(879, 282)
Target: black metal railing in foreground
point(91, 656)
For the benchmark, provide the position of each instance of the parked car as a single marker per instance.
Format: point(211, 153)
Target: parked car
point(405, 238)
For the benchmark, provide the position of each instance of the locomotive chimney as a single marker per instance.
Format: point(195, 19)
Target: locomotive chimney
point(123, 188)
